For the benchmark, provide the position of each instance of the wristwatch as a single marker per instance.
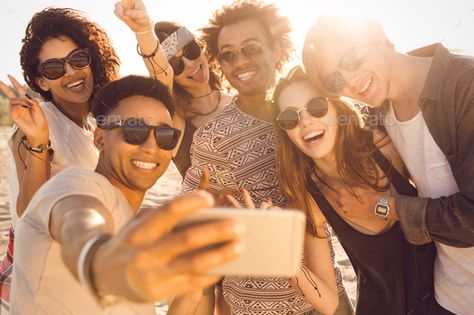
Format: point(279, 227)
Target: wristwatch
point(382, 209)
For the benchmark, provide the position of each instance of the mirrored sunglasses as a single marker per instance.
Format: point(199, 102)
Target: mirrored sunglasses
point(54, 68)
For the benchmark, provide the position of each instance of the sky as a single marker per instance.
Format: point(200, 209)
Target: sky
point(408, 23)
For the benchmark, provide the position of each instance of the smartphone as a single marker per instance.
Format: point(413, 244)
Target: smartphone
point(273, 240)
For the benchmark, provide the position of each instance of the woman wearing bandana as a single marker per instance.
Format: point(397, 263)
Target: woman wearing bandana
point(175, 57)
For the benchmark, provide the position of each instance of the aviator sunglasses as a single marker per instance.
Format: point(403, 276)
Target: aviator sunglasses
point(230, 57)
point(316, 107)
point(191, 51)
point(54, 68)
point(136, 132)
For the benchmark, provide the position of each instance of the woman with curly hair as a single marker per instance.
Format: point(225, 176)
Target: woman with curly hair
point(175, 56)
point(65, 58)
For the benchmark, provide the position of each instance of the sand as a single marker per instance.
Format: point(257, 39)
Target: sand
point(167, 187)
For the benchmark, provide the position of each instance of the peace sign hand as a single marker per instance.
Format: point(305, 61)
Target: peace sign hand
point(26, 114)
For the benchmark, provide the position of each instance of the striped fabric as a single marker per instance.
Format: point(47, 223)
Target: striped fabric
point(6, 276)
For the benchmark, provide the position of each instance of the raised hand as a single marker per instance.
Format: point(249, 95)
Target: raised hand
point(219, 195)
point(134, 14)
point(26, 114)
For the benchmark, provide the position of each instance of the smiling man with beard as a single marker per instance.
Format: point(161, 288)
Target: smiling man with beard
point(250, 42)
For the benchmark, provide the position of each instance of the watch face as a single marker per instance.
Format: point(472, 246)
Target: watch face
point(381, 210)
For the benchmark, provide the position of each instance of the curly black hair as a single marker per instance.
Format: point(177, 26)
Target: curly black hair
point(56, 22)
point(163, 29)
point(278, 26)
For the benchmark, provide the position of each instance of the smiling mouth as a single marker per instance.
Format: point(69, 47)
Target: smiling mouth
point(75, 84)
point(246, 75)
point(144, 165)
point(366, 86)
point(314, 136)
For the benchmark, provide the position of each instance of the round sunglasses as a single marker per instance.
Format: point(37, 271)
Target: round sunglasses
point(191, 51)
point(135, 131)
point(54, 68)
point(230, 57)
point(289, 118)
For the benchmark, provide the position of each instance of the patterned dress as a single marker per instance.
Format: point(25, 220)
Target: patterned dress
point(240, 152)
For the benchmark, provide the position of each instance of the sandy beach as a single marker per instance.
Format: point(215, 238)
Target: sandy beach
point(166, 187)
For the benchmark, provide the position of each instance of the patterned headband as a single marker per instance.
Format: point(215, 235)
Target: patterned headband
point(176, 41)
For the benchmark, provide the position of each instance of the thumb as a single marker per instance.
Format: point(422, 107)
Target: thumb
point(204, 183)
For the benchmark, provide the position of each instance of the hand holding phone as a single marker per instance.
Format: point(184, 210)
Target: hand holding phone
point(273, 240)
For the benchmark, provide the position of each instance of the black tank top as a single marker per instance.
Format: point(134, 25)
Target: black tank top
point(182, 160)
point(394, 276)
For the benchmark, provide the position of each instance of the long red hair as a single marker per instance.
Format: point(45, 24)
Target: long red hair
point(353, 149)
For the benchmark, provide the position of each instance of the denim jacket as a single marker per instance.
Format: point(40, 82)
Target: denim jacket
point(447, 105)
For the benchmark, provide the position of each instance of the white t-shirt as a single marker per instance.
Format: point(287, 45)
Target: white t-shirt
point(454, 267)
point(72, 145)
point(41, 282)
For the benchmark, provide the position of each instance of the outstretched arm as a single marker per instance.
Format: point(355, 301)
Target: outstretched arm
point(148, 259)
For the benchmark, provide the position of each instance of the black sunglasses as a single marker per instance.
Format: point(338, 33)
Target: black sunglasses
point(54, 68)
point(191, 51)
point(230, 57)
point(316, 107)
point(135, 131)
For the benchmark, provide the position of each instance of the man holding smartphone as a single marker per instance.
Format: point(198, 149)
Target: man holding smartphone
point(81, 248)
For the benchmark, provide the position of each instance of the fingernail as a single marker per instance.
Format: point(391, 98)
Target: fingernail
point(238, 228)
point(209, 198)
point(239, 248)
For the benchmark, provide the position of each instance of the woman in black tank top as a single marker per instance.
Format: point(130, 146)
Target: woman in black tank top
point(324, 140)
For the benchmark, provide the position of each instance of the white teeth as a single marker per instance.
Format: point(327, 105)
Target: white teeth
point(366, 86)
point(313, 134)
point(246, 75)
point(74, 84)
point(144, 165)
